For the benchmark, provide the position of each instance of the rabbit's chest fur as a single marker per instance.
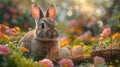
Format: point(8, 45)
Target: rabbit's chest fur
point(41, 48)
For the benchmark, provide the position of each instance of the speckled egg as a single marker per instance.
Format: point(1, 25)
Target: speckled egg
point(64, 53)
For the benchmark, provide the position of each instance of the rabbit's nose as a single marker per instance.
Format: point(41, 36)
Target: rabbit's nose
point(51, 36)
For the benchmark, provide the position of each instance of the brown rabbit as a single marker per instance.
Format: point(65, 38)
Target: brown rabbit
point(40, 40)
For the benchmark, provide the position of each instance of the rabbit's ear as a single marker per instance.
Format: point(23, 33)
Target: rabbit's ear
point(51, 12)
point(37, 12)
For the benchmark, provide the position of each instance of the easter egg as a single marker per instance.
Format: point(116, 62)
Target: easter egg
point(54, 51)
point(64, 53)
point(77, 51)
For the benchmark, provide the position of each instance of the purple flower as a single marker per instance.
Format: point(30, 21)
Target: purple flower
point(4, 50)
point(6, 16)
point(66, 63)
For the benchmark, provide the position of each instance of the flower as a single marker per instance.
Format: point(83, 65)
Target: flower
point(99, 60)
point(72, 22)
point(65, 38)
point(14, 16)
point(66, 63)
point(101, 39)
point(77, 30)
point(86, 35)
point(4, 36)
point(17, 28)
point(4, 50)
point(13, 32)
point(116, 35)
point(64, 43)
point(1, 5)
point(6, 16)
point(46, 63)
point(5, 23)
point(106, 32)
point(92, 39)
point(23, 49)
point(11, 9)
point(3, 28)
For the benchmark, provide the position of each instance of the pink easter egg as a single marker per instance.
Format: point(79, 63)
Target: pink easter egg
point(77, 51)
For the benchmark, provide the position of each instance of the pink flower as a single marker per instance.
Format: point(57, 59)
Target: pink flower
point(106, 32)
point(6, 16)
point(4, 50)
point(11, 9)
point(13, 32)
point(86, 35)
point(72, 22)
point(46, 63)
point(99, 60)
point(1, 5)
point(66, 63)
point(65, 38)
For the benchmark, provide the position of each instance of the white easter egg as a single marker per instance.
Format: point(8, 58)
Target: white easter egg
point(64, 53)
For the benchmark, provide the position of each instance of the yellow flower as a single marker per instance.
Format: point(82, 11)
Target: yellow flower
point(86, 47)
point(64, 43)
point(4, 36)
point(116, 35)
point(82, 44)
point(66, 65)
point(101, 39)
point(23, 49)
point(110, 66)
point(17, 28)
point(92, 39)
point(117, 61)
point(44, 65)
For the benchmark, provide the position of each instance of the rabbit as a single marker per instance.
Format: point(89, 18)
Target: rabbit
point(40, 40)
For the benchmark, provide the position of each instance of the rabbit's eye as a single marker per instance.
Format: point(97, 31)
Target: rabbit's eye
point(42, 24)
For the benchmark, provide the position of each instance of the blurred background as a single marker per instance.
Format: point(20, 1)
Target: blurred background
point(75, 18)
point(80, 23)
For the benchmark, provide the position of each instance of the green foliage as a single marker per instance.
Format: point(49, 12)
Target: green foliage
point(77, 41)
point(3, 61)
point(16, 60)
point(87, 42)
point(21, 61)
